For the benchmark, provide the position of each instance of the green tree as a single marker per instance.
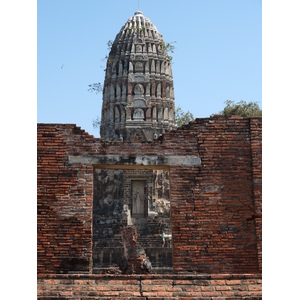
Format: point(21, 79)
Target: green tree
point(95, 87)
point(169, 47)
point(241, 108)
point(182, 118)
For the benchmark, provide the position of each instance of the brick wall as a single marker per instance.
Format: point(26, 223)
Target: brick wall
point(256, 155)
point(64, 205)
point(215, 221)
point(215, 208)
point(205, 287)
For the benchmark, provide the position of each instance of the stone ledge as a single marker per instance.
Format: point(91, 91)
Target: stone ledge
point(151, 276)
point(126, 160)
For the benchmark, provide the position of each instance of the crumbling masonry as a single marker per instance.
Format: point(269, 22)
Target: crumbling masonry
point(149, 211)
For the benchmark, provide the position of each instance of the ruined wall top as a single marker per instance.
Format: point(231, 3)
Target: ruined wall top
point(138, 92)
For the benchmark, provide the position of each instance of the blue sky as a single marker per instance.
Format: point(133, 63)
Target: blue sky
point(218, 54)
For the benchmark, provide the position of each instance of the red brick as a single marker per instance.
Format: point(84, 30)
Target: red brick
point(132, 288)
point(217, 282)
point(207, 288)
point(164, 294)
point(147, 282)
point(254, 288)
point(223, 288)
point(103, 288)
point(158, 288)
point(233, 282)
point(183, 282)
point(210, 294)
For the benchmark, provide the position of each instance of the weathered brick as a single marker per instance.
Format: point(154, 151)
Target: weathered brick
point(210, 294)
point(254, 288)
point(216, 209)
point(208, 288)
point(233, 282)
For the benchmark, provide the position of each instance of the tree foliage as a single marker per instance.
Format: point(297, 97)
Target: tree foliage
point(95, 87)
point(182, 118)
point(169, 47)
point(97, 123)
point(241, 108)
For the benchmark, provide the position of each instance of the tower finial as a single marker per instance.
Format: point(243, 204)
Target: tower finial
point(138, 4)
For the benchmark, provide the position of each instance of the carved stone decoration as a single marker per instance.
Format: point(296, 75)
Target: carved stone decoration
point(139, 67)
point(138, 114)
point(139, 89)
point(138, 197)
point(138, 48)
point(139, 78)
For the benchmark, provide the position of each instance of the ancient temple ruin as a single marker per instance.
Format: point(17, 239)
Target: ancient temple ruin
point(138, 91)
point(132, 216)
point(138, 104)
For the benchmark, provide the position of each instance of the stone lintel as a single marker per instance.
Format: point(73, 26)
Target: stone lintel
point(139, 160)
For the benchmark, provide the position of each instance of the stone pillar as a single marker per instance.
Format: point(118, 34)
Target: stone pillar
point(122, 115)
point(148, 89)
point(159, 114)
point(158, 91)
point(118, 91)
point(148, 114)
point(147, 67)
point(130, 67)
point(123, 91)
point(128, 114)
point(152, 67)
point(157, 68)
point(154, 115)
point(112, 92)
point(120, 68)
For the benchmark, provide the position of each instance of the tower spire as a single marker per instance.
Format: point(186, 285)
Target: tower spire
point(138, 91)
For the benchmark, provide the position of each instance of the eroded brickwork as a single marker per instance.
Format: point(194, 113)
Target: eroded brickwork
point(215, 218)
point(256, 155)
point(215, 206)
point(64, 205)
point(147, 287)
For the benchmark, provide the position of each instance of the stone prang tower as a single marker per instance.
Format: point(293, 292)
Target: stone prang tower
point(138, 91)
